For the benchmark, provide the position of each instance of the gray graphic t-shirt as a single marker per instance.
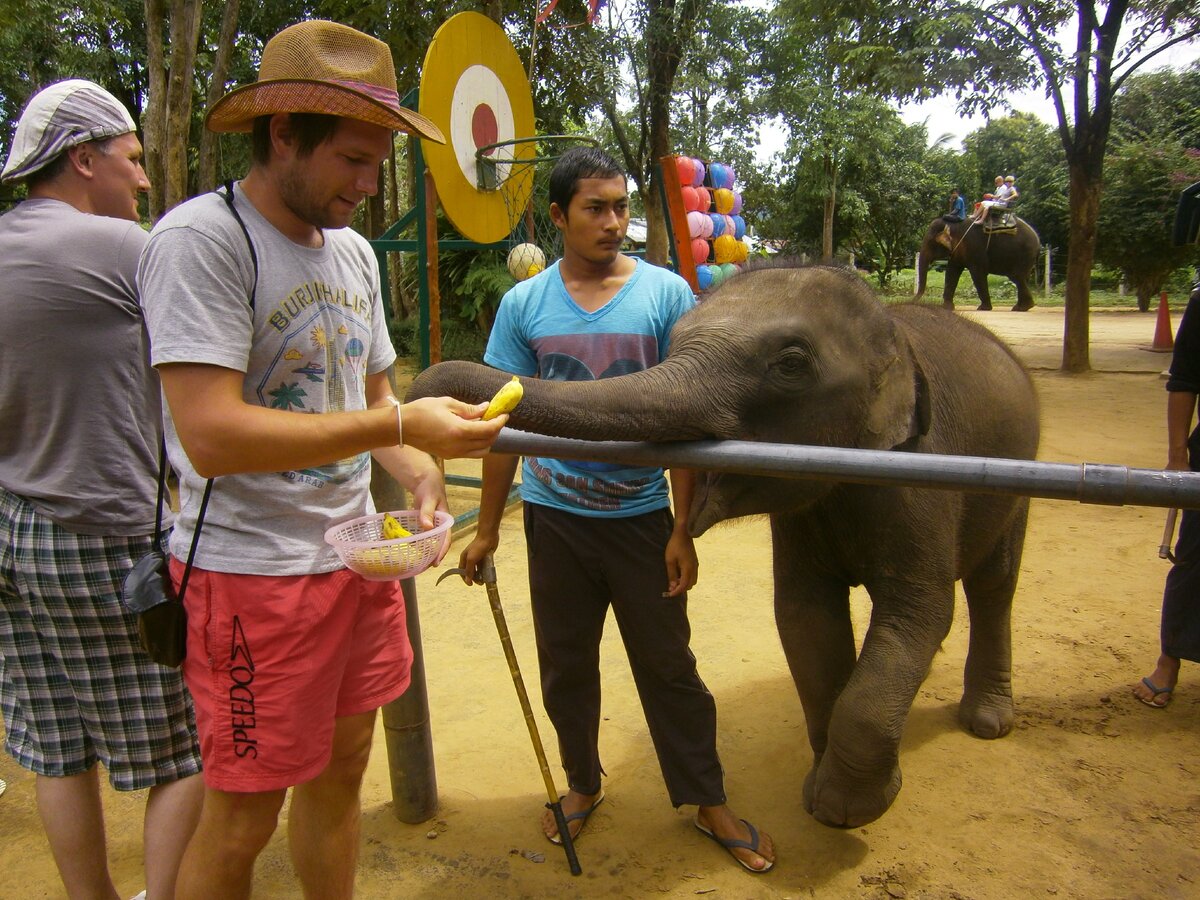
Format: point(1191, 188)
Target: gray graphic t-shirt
point(317, 331)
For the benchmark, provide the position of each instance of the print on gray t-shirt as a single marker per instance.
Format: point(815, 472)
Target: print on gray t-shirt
point(318, 330)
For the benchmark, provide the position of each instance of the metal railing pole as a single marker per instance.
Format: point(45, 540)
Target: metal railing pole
point(1098, 483)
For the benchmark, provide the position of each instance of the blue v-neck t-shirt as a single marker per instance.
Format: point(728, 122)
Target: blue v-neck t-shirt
point(541, 331)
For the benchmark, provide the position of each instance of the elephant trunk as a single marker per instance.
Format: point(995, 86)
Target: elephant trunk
point(922, 272)
point(660, 404)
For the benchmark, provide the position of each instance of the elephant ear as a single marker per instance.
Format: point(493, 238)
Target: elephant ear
point(900, 408)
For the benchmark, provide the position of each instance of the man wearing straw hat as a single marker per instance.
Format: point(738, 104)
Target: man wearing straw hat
point(80, 427)
point(273, 353)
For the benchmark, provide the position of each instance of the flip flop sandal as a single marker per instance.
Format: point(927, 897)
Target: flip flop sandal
point(582, 815)
point(1156, 691)
point(737, 844)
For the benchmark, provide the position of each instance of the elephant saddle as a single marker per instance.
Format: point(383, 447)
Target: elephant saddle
point(1001, 221)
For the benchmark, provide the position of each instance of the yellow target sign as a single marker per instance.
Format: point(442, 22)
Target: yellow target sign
point(474, 88)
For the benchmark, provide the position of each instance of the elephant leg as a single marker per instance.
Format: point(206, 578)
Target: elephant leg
point(858, 776)
point(1024, 294)
point(818, 641)
point(980, 279)
point(953, 273)
point(987, 706)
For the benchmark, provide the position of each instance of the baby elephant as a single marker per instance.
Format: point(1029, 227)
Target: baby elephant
point(810, 356)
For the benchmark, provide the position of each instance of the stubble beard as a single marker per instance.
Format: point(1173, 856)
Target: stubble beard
point(294, 193)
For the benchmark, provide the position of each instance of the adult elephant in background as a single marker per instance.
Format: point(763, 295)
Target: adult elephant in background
point(810, 356)
point(1011, 253)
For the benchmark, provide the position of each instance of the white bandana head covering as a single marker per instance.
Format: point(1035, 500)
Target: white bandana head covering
point(59, 117)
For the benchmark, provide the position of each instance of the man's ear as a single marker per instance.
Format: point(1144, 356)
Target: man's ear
point(83, 157)
point(283, 136)
point(558, 216)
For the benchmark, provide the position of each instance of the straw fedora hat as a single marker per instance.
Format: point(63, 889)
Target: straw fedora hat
point(322, 67)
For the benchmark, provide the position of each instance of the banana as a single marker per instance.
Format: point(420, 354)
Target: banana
point(383, 560)
point(392, 529)
point(505, 400)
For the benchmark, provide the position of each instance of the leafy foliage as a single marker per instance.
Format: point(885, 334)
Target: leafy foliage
point(1143, 182)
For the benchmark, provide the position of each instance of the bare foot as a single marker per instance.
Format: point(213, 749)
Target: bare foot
point(726, 826)
point(576, 808)
point(1161, 682)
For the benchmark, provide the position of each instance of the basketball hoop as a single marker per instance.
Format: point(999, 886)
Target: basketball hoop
point(519, 171)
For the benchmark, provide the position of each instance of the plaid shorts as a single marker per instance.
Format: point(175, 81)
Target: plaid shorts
point(75, 684)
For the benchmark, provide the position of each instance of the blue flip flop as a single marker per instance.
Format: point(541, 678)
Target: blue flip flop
point(1155, 690)
point(737, 844)
point(575, 817)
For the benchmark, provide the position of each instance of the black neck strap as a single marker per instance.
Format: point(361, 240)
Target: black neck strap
point(162, 458)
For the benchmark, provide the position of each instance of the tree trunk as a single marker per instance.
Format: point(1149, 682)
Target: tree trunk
point(829, 207)
point(1084, 211)
point(185, 33)
point(401, 309)
point(154, 118)
point(206, 167)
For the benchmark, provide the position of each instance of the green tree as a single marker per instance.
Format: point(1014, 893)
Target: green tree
point(984, 49)
point(1159, 105)
point(889, 198)
point(1142, 184)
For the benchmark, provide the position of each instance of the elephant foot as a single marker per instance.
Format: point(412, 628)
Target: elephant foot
point(840, 801)
point(947, 305)
point(1023, 307)
point(988, 716)
point(984, 307)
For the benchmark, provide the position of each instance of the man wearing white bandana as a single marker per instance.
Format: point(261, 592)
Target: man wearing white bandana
point(80, 428)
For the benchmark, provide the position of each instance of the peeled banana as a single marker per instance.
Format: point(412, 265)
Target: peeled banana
point(392, 528)
point(505, 400)
point(385, 560)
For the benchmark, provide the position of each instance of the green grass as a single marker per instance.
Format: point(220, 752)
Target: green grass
point(1103, 295)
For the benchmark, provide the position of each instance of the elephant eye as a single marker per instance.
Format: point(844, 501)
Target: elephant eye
point(794, 362)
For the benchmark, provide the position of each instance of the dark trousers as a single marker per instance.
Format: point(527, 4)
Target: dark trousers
point(578, 566)
point(1181, 597)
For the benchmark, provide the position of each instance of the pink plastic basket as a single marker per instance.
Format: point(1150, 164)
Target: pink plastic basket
point(361, 546)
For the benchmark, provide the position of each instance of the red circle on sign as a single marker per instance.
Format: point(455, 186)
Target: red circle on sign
point(484, 129)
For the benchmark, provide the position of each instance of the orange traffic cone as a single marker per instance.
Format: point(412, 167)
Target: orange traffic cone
point(1164, 339)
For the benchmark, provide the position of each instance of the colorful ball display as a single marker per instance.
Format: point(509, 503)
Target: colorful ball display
point(686, 169)
point(724, 248)
point(525, 261)
point(716, 228)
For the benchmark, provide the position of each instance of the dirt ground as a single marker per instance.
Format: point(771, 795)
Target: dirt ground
point(1092, 795)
